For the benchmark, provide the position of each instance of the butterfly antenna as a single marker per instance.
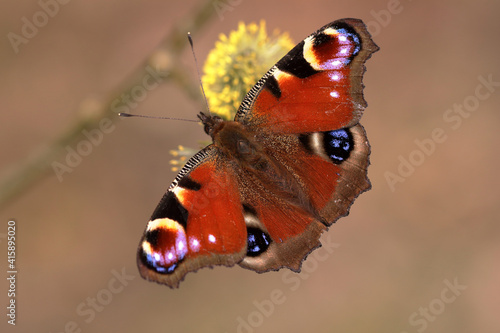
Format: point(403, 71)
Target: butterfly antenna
point(198, 71)
point(125, 115)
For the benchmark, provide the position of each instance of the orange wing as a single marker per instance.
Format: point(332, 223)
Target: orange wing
point(199, 222)
point(325, 172)
point(317, 86)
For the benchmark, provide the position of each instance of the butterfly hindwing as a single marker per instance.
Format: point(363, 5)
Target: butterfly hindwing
point(283, 229)
point(336, 169)
point(329, 171)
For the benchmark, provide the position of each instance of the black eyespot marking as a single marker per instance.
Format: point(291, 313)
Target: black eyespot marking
point(170, 207)
point(257, 242)
point(152, 237)
point(338, 144)
point(295, 63)
point(273, 86)
point(320, 38)
point(189, 184)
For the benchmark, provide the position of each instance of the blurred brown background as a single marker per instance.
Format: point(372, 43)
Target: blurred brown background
point(397, 255)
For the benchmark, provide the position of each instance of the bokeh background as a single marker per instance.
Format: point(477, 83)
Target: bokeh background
point(394, 256)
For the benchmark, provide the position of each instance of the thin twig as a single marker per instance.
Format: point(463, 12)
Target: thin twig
point(20, 177)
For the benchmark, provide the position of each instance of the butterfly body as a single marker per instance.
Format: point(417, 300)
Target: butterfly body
point(276, 177)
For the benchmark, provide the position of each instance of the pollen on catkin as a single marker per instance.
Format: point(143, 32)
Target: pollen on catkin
point(237, 62)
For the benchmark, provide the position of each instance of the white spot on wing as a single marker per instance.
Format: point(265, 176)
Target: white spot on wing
point(336, 64)
point(194, 244)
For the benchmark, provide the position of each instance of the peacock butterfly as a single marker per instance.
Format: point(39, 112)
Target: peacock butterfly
point(289, 165)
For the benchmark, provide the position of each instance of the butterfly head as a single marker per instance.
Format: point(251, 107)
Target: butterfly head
point(211, 123)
